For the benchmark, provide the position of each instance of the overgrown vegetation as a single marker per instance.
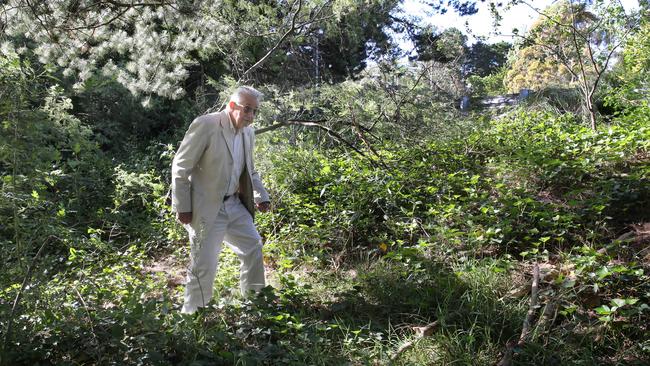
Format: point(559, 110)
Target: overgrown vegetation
point(402, 232)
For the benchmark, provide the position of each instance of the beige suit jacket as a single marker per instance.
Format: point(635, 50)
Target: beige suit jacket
point(203, 165)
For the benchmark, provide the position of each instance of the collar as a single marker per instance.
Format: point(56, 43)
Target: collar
point(231, 125)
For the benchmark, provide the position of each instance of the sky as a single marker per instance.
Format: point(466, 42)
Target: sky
point(520, 16)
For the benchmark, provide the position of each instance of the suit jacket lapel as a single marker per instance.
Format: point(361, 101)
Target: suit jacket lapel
point(245, 182)
point(226, 130)
point(247, 151)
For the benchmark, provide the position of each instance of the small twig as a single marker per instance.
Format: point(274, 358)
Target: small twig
point(90, 319)
point(361, 136)
point(268, 54)
point(329, 131)
point(507, 356)
point(421, 332)
point(19, 295)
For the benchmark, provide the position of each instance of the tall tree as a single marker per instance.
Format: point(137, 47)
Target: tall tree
point(633, 75)
point(484, 59)
point(440, 55)
point(154, 47)
point(431, 45)
point(573, 43)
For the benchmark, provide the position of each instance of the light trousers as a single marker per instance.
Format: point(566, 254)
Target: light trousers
point(234, 226)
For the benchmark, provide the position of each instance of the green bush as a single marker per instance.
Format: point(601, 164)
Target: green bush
point(54, 177)
point(481, 86)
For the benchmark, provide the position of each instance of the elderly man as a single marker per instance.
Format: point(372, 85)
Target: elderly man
point(215, 191)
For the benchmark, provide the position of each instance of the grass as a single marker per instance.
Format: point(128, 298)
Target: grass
point(358, 261)
point(362, 313)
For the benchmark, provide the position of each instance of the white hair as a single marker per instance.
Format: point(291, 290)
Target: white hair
point(246, 90)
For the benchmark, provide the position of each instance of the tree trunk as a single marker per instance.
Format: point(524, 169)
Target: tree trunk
point(590, 110)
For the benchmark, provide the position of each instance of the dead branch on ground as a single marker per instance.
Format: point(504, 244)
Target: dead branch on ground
point(420, 332)
point(525, 331)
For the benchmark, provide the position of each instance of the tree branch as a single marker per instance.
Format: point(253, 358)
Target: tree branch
point(317, 124)
point(421, 332)
point(277, 44)
point(525, 330)
point(19, 295)
point(363, 138)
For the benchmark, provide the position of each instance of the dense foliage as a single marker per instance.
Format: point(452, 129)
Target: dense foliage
point(403, 231)
point(172, 48)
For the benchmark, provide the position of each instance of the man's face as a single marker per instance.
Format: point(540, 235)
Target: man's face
point(243, 113)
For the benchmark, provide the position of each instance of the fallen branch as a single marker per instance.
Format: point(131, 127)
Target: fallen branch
point(90, 319)
point(19, 295)
point(362, 137)
point(420, 332)
point(548, 316)
point(525, 330)
point(329, 131)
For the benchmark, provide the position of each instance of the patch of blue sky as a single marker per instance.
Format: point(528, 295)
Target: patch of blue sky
point(481, 26)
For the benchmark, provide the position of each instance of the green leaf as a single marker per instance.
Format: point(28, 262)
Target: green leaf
point(603, 310)
point(568, 283)
point(569, 310)
point(325, 170)
point(73, 254)
point(618, 302)
point(603, 272)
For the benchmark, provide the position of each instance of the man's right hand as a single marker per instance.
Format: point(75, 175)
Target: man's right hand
point(184, 217)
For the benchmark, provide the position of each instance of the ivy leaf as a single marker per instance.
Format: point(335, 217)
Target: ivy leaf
point(618, 302)
point(603, 310)
point(568, 283)
point(631, 301)
point(603, 272)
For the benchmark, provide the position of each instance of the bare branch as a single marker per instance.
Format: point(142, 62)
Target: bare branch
point(133, 4)
point(268, 54)
point(421, 332)
point(23, 287)
point(97, 25)
point(525, 330)
point(363, 138)
point(317, 124)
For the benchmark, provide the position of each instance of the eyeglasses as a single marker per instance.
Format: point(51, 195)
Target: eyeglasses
point(248, 109)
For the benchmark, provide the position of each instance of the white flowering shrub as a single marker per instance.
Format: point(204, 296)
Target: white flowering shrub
point(152, 47)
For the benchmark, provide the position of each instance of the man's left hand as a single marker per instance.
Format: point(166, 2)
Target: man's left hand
point(263, 206)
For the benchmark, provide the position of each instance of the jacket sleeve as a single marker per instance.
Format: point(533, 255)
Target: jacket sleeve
point(259, 192)
point(187, 157)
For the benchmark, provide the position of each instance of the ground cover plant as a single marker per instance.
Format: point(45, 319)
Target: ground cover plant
point(402, 232)
point(362, 259)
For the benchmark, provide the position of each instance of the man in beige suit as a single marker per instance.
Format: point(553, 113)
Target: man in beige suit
point(215, 191)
